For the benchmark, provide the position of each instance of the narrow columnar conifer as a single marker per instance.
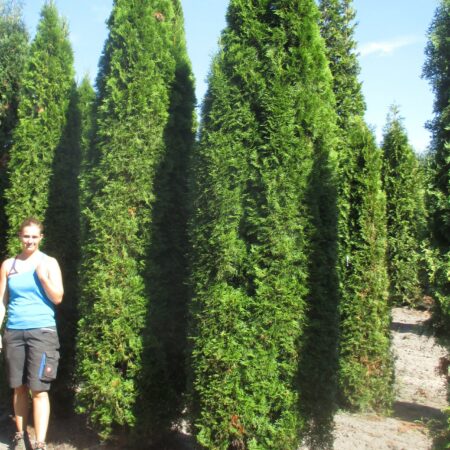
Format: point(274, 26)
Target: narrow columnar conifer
point(86, 104)
point(365, 364)
point(13, 52)
point(62, 228)
point(402, 180)
point(436, 70)
point(168, 257)
point(261, 169)
point(138, 150)
point(46, 89)
point(365, 360)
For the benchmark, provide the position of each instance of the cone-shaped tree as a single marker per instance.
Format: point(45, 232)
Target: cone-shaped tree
point(13, 51)
point(133, 132)
point(366, 365)
point(261, 182)
point(337, 28)
point(405, 212)
point(45, 95)
point(436, 70)
point(365, 361)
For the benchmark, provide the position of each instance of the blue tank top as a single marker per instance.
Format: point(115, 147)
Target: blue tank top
point(28, 305)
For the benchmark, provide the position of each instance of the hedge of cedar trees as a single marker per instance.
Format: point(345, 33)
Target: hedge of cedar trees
point(121, 370)
point(436, 70)
point(264, 156)
point(13, 52)
point(365, 365)
point(404, 185)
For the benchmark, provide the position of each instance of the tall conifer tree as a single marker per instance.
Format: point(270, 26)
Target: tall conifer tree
point(45, 95)
point(405, 212)
point(44, 167)
point(62, 220)
point(262, 187)
point(13, 52)
point(436, 70)
point(365, 374)
point(168, 257)
point(137, 147)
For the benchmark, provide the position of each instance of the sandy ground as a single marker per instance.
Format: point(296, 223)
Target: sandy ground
point(420, 396)
point(420, 393)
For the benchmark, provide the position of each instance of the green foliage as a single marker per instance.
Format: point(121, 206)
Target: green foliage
point(337, 28)
point(13, 52)
point(403, 183)
point(167, 260)
point(122, 375)
point(45, 94)
point(436, 70)
point(86, 105)
point(62, 227)
point(365, 363)
point(44, 167)
point(262, 163)
point(366, 366)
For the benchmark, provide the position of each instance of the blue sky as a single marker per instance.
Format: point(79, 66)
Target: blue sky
point(391, 36)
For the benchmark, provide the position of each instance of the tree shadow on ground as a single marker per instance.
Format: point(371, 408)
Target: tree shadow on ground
point(415, 328)
point(415, 412)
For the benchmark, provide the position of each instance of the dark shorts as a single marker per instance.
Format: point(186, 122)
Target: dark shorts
point(31, 357)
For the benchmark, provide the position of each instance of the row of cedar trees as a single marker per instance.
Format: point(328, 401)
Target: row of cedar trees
point(248, 273)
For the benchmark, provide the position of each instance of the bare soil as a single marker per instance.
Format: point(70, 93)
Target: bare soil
point(420, 397)
point(420, 393)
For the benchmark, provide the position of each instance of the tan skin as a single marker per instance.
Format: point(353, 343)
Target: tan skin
point(50, 277)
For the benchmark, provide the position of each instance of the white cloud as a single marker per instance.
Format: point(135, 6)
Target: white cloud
point(383, 48)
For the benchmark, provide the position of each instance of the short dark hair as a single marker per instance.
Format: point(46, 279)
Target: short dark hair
point(29, 221)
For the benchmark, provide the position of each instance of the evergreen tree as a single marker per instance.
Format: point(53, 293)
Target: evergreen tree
point(436, 70)
point(405, 212)
point(365, 374)
point(62, 225)
point(168, 256)
point(366, 365)
point(262, 185)
point(13, 52)
point(337, 28)
point(86, 105)
point(45, 95)
point(122, 371)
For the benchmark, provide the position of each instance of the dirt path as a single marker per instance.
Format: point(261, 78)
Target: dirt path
point(420, 395)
